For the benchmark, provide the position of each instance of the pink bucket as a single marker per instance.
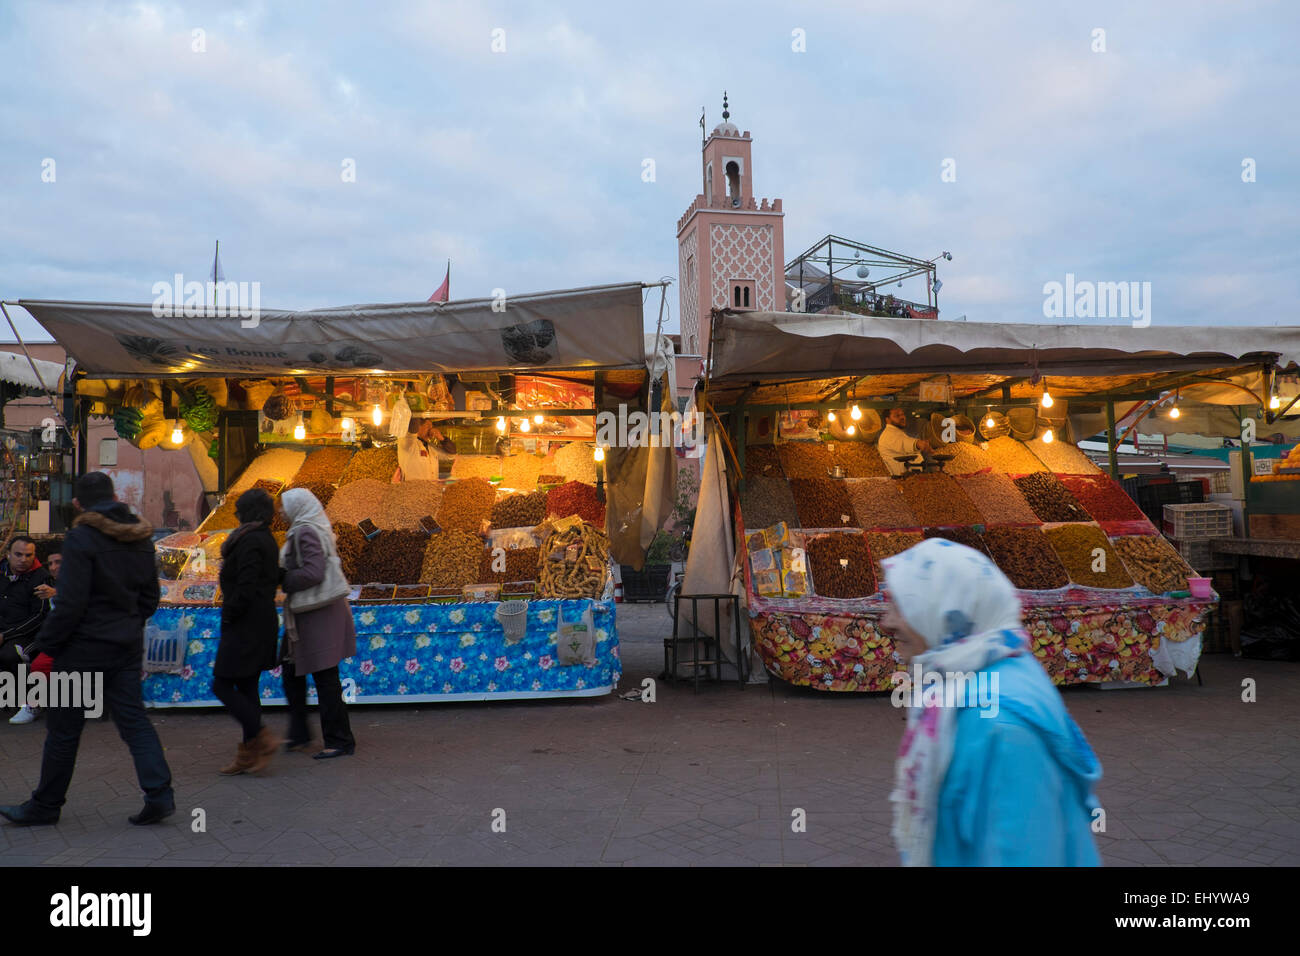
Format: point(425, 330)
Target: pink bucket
point(1200, 587)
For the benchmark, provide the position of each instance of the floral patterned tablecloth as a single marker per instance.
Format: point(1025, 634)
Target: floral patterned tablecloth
point(419, 652)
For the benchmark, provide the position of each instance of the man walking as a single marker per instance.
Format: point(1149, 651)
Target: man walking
point(108, 588)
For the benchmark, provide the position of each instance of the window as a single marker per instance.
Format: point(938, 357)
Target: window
point(743, 295)
point(733, 182)
point(107, 452)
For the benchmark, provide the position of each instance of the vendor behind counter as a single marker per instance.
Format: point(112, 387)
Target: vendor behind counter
point(420, 450)
point(895, 442)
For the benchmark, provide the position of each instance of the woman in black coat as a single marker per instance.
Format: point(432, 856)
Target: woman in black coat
point(250, 626)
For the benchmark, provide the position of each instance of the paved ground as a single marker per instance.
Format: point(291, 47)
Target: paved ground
point(1193, 776)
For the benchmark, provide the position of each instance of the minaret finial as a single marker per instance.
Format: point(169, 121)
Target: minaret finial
point(725, 115)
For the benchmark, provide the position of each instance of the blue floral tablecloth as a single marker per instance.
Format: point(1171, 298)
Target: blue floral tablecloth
point(418, 652)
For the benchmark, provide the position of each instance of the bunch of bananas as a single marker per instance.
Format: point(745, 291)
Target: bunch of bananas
point(128, 422)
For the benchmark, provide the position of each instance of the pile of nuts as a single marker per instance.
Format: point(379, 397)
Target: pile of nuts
point(1102, 498)
point(576, 498)
point(350, 543)
point(767, 500)
point(1011, 457)
point(395, 557)
point(762, 460)
point(357, 500)
point(576, 461)
point(405, 503)
point(858, 460)
point(1076, 545)
point(1153, 563)
point(841, 566)
point(821, 503)
point(519, 511)
point(324, 465)
point(1026, 557)
point(521, 565)
point(967, 458)
point(452, 559)
point(886, 544)
point(466, 504)
point(376, 463)
point(967, 536)
point(520, 471)
point(997, 498)
point(1062, 457)
point(936, 499)
point(277, 465)
point(879, 503)
point(804, 459)
point(1050, 499)
point(475, 466)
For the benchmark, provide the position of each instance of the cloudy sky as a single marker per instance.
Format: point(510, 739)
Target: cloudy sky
point(524, 166)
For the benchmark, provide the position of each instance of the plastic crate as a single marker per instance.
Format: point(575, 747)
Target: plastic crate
point(1195, 551)
point(1207, 519)
point(1151, 499)
point(649, 584)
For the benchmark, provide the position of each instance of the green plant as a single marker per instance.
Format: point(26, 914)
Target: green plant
point(659, 549)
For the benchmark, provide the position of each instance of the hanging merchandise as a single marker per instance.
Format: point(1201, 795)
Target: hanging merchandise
point(400, 418)
point(322, 421)
point(198, 409)
point(127, 422)
point(278, 407)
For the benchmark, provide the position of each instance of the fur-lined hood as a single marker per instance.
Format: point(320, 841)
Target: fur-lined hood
point(131, 531)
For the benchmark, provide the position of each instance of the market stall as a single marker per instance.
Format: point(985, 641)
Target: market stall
point(479, 548)
point(818, 494)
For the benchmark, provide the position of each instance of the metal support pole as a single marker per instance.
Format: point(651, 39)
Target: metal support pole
point(1111, 449)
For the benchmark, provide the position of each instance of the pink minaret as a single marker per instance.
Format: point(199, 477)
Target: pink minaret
point(731, 247)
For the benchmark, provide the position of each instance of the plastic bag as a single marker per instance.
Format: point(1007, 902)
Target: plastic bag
point(576, 642)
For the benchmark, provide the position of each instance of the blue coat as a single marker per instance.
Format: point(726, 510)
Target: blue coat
point(1019, 788)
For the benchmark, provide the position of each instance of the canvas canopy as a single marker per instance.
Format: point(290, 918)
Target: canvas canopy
point(596, 327)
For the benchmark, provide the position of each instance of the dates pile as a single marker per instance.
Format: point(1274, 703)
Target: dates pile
point(858, 460)
point(879, 503)
point(967, 536)
point(841, 566)
point(1153, 563)
point(323, 491)
point(821, 503)
point(324, 465)
point(519, 511)
point(395, 557)
point(937, 499)
point(762, 460)
point(767, 500)
point(997, 498)
point(1102, 498)
point(1050, 499)
point(452, 559)
point(350, 543)
point(1077, 546)
point(576, 498)
point(466, 504)
point(521, 565)
point(886, 544)
point(1026, 557)
point(802, 459)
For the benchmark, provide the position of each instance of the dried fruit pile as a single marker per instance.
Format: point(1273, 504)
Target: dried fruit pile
point(278, 465)
point(766, 501)
point(395, 557)
point(967, 458)
point(1050, 499)
point(937, 499)
point(324, 492)
point(223, 516)
point(376, 463)
point(520, 471)
point(521, 565)
point(1062, 457)
point(452, 559)
point(576, 462)
point(1011, 457)
point(476, 466)
point(576, 498)
point(762, 460)
point(1026, 557)
point(804, 459)
point(466, 504)
point(357, 500)
point(821, 503)
point(841, 566)
point(879, 503)
point(520, 511)
point(859, 460)
point(886, 544)
point(323, 465)
point(350, 543)
point(574, 563)
point(1076, 545)
point(967, 536)
point(405, 503)
point(1153, 563)
point(1102, 498)
point(997, 498)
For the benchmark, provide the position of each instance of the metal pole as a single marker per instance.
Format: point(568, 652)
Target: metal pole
point(1111, 448)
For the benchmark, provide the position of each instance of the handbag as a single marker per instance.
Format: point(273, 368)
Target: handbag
point(330, 588)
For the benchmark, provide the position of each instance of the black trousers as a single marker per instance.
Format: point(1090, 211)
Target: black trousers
point(239, 694)
point(121, 684)
point(335, 727)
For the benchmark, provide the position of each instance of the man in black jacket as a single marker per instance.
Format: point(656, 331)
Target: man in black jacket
point(21, 610)
point(108, 588)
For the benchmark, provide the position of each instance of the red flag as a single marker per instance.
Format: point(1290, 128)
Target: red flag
point(440, 294)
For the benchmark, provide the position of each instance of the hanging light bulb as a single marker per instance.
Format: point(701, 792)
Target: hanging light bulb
point(377, 415)
point(1174, 412)
point(347, 425)
point(538, 419)
point(855, 413)
point(524, 425)
point(830, 416)
point(990, 423)
point(1046, 401)
point(178, 436)
point(1274, 403)
point(299, 430)
point(851, 430)
point(1048, 437)
point(600, 453)
point(501, 424)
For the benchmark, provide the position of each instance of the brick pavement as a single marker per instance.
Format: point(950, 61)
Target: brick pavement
point(1193, 776)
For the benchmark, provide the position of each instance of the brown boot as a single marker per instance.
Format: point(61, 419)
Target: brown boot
point(243, 761)
point(263, 748)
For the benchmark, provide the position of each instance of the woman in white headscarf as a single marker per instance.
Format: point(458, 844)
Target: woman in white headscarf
point(320, 633)
point(997, 776)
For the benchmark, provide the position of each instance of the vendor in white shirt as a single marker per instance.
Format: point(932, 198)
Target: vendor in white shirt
point(417, 455)
point(895, 442)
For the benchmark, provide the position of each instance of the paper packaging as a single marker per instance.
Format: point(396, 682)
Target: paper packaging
point(778, 534)
point(795, 584)
point(767, 583)
point(764, 560)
